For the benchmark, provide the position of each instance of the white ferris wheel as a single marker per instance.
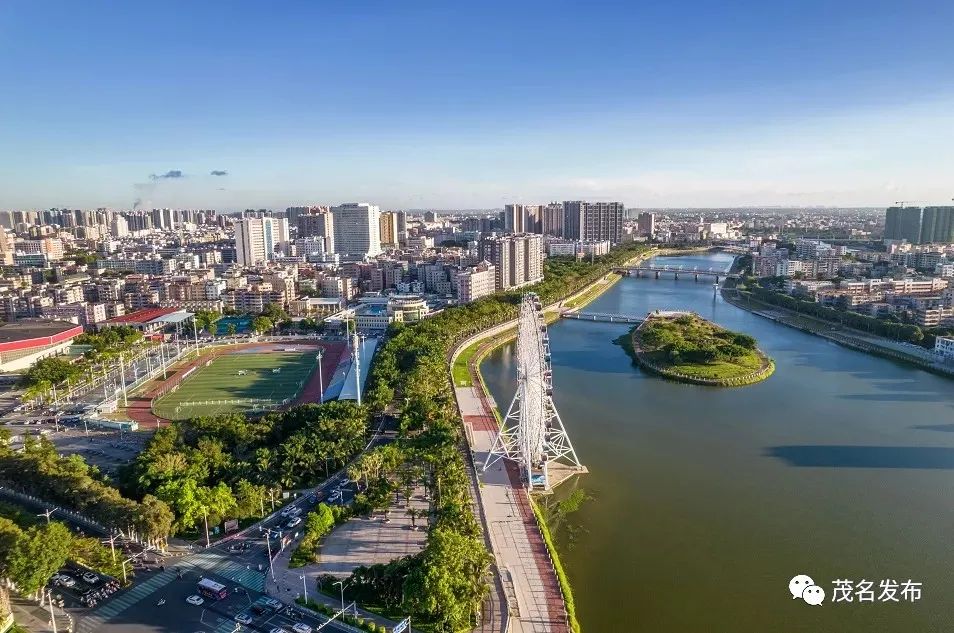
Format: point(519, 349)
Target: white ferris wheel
point(532, 434)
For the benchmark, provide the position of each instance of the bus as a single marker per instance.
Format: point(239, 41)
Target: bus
point(211, 589)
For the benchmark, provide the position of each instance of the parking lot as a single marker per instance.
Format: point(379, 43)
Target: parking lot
point(105, 449)
point(74, 586)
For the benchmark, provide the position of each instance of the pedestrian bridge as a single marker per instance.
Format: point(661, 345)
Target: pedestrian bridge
point(603, 317)
point(675, 271)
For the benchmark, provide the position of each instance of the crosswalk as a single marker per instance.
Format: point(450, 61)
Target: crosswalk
point(123, 601)
point(207, 561)
point(214, 561)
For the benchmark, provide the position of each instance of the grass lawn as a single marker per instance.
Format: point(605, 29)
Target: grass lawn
point(459, 370)
point(461, 373)
point(718, 369)
point(219, 388)
point(695, 347)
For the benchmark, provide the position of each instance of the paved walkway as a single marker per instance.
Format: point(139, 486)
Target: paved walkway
point(368, 541)
point(31, 616)
point(288, 585)
point(522, 558)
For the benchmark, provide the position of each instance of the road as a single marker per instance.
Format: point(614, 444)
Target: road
point(239, 561)
point(138, 610)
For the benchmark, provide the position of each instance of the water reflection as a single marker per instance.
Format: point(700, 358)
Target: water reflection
point(840, 463)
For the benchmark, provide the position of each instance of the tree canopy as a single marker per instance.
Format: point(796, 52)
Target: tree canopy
point(223, 466)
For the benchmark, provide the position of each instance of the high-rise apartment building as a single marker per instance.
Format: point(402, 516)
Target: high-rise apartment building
point(937, 225)
point(357, 230)
point(911, 224)
point(258, 240)
point(892, 223)
point(512, 218)
point(919, 226)
point(518, 259)
point(523, 218)
point(646, 224)
point(320, 224)
point(401, 226)
point(594, 221)
point(553, 219)
point(6, 248)
point(118, 226)
point(476, 282)
point(389, 228)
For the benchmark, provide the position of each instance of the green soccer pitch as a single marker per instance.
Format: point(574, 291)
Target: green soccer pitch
point(238, 382)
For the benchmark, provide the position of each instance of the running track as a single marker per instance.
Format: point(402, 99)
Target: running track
point(140, 407)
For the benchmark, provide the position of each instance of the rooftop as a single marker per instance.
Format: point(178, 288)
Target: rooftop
point(26, 329)
point(145, 315)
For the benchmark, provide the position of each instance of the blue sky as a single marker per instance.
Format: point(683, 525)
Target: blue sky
point(467, 105)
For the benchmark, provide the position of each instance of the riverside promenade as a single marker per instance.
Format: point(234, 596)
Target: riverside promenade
point(530, 584)
point(534, 601)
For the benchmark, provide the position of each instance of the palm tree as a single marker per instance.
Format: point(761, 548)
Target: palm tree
point(415, 514)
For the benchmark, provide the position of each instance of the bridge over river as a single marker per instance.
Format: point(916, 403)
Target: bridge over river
point(608, 317)
point(675, 271)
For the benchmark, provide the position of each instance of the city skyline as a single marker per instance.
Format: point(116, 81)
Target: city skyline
point(437, 107)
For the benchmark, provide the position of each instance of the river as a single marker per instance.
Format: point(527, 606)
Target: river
point(702, 503)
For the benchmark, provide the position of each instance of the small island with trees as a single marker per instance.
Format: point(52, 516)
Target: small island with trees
point(684, 346)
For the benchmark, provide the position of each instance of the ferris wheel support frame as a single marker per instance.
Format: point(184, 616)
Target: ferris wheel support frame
point(532, 434)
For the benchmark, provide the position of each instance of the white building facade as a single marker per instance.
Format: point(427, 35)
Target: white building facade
point(258, 240)
point(357, 230)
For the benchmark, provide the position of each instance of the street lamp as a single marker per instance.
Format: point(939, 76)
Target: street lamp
point(52, 615)
point(321, 378)
point(47, 514)
point(304, 586)
point(112, 545)
point(342, 584)
point(205, 516)
point(145, 550)
point(268, 543)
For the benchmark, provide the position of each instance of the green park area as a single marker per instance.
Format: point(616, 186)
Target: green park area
point(238, 382)
point(689, 347)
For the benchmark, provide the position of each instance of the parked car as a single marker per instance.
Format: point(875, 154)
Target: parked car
point(90, 578)
point(66, 581)
point(243, 618)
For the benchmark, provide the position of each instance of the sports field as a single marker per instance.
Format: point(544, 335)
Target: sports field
point(242, 381)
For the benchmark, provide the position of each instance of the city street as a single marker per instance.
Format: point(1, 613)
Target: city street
point(138, 610)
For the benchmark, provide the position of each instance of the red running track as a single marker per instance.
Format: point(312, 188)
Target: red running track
point(140, 407)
